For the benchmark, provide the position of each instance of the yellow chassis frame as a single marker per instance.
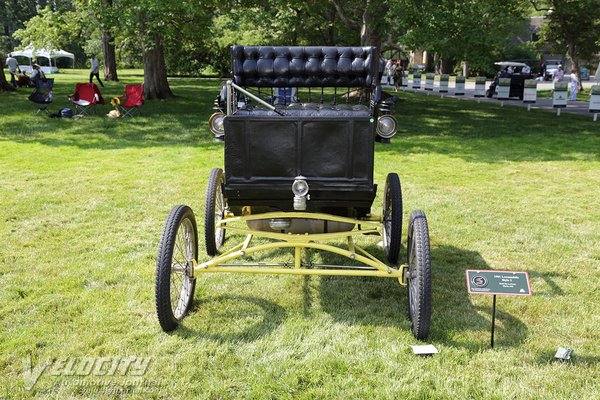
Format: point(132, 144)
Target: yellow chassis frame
point(372, 265)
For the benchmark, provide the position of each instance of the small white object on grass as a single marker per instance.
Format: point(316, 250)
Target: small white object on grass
point(424, 350)
point(564, 354)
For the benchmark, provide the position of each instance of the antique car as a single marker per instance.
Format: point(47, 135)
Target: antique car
point(299, 126)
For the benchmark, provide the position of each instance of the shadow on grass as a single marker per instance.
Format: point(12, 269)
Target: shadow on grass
point(547, 277)
point(455, 319)
point(247, 318)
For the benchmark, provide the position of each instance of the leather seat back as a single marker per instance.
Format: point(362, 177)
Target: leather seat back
point(281, 66)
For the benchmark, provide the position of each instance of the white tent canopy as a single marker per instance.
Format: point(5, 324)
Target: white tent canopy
point(30, 53)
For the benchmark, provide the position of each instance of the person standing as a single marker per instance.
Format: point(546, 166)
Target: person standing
point(398, 73)
point(558, 75)
point(389, 70)
point(13, 67)
point(574, 85)
point(95, 69)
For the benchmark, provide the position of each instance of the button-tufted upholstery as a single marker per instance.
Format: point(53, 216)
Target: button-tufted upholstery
point(268, 66)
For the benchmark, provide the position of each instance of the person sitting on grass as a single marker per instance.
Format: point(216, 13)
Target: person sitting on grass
point(24, 81)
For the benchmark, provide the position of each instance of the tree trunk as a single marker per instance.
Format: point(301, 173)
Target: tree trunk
point(156, 85)
point(108, 51)
point(330, 38)
point(447, 65)
point(5, 86)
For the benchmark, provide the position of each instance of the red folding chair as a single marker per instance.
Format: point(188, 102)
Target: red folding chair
point(134, 99)
point(85, 98)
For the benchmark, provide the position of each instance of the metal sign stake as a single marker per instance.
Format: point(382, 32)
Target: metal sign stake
point(493, 319)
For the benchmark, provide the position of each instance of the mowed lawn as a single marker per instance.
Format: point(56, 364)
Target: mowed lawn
point(82, 204)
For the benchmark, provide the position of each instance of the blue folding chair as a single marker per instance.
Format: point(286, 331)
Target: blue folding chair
point(43, 94)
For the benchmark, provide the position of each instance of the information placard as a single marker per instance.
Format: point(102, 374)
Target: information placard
point(595, 103)
point(416, 84)
point(507, 283)
point(480, 86)
point(529, 95)
point(459, 86)
point(444, 78)
point(503, 92)
point(429, 80)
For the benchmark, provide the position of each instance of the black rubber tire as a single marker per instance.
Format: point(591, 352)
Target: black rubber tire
point(419, 274)
point(169, 253)
point(214, 238)
point(392, 218)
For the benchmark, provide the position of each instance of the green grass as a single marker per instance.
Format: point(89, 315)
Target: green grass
point(82, 207)
point(581, 96)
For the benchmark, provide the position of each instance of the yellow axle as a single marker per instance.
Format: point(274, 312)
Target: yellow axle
point(372, 265)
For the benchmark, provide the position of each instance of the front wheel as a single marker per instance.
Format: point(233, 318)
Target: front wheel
point(392, 218)
point(419, 274)
point(214, 212)
point(177, 256)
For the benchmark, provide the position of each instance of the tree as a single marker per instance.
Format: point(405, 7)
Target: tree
point(573, 25)
point(475, 31)
point(275, 22)
point(48, 29)
point(157, 25)
point(4, 85)
point(102, 12)
point(378, 22)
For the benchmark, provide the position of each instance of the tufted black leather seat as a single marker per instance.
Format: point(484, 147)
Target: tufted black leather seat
point(281, 66)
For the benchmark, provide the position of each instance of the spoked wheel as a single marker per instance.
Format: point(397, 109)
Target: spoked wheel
point(392, 218)
point(214, 211)
point(177, 256)
point(419, 274)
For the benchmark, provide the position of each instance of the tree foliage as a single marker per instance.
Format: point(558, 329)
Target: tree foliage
point(50, 29)
point(474, 31)
point(573, 27)
point(275, 22)
point(378, 23)
point(187, 37)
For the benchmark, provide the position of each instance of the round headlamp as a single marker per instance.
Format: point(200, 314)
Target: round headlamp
point(215, 122)
point(300, 186)
point(387, 126)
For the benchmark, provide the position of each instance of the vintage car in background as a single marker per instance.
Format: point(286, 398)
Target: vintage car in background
point(518, 73)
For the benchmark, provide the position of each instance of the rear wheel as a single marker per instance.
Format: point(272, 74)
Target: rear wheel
point(214, 212)
point(177, 256)
point(392, 218)
point(419, 274)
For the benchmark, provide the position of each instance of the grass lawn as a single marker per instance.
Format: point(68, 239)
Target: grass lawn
point(82, 204)
point(581, 96)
